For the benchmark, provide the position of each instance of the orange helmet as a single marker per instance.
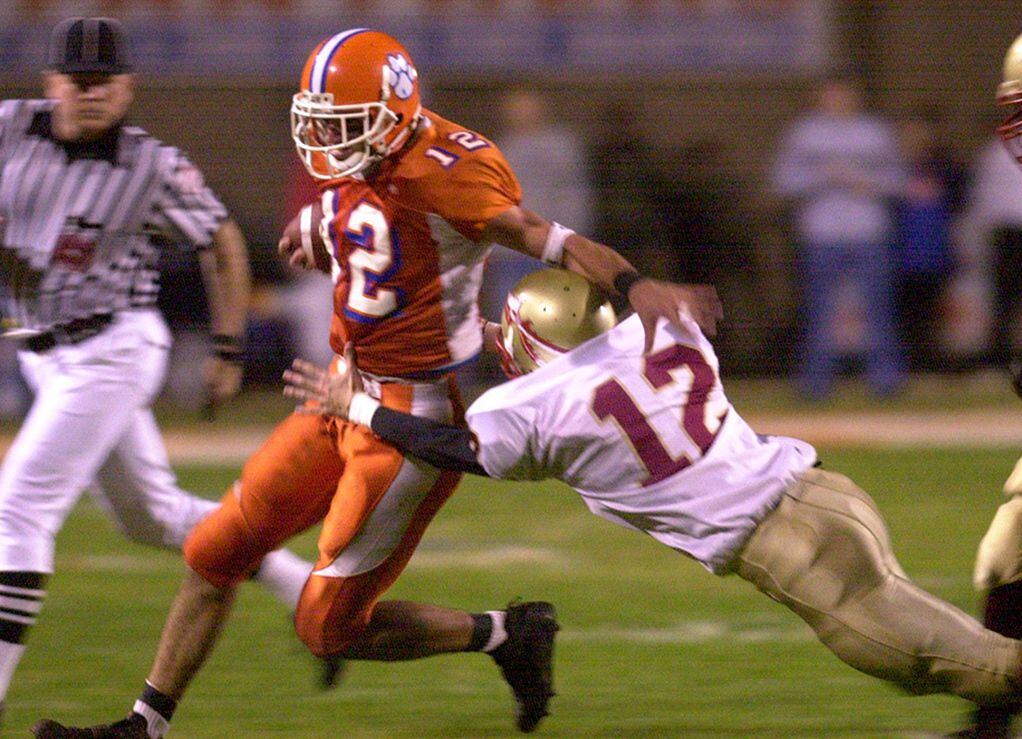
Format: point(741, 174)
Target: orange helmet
point(358, 103)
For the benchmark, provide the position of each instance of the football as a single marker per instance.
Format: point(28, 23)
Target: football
point(305, 233)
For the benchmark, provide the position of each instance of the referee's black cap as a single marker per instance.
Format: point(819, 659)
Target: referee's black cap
point(84, 45)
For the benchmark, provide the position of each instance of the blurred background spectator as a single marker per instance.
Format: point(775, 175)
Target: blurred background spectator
point(702, 215)
point(549, 158)
point(841, 168)
point(993, 222)
point(933, 196)
point(629, 187)
point(14, 395)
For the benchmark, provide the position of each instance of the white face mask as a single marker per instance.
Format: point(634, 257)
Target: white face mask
point(338, 140)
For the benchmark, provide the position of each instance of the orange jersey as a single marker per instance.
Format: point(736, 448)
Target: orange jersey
point(406, 251)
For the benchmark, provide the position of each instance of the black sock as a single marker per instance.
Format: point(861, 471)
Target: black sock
point(482, 628)
point(156, 708)
point(1002, 612)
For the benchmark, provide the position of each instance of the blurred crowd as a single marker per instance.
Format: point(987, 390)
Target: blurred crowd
point(902, 257)
point(907, 259)
point(305, 8)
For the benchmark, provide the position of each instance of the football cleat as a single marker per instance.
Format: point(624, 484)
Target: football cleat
point(987, 723)
point(526, 659)
point(132, 727)
point(331, 672)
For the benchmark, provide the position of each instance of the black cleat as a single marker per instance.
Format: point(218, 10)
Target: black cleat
point(331, 672)
point(988, 723)
point(526, 659)
point(132, 727)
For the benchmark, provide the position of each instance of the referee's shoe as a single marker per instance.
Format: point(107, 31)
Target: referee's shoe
point(526, 659)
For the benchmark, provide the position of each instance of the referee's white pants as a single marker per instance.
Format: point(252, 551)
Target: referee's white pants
point(91, 426)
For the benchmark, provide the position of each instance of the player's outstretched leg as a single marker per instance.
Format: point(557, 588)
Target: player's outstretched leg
point(132, 727)
point(526, 659)
point(1002, 613)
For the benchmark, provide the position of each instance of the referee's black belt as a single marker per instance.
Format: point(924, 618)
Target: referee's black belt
point(72, 332)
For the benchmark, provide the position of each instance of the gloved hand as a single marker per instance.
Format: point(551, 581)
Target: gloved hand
point(999, 557)
point(1013, 485)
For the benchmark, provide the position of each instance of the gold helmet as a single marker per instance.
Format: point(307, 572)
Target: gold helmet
point(547, 314)
point(1009, 95)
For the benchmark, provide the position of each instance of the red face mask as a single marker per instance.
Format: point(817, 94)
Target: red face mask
point(1010, 130)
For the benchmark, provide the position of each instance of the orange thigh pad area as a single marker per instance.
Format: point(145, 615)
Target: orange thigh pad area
point(285, 488)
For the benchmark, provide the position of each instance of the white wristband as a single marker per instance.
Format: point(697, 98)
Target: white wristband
point(553, 249)
point(362, 408)
point(305, 226)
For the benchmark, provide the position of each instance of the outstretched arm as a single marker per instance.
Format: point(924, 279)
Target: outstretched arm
point(442, 445)
point(528, 232)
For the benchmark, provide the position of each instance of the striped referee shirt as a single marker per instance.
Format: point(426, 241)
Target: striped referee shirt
point(82, 221)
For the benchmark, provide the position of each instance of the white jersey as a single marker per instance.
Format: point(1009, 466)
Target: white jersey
point(650, 443)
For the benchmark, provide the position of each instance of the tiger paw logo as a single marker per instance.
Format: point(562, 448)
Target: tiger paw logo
point(402, 76)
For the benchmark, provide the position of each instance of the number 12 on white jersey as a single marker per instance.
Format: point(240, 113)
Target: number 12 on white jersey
point(612, 402)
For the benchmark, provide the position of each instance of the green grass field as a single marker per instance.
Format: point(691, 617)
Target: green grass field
point(651, 644)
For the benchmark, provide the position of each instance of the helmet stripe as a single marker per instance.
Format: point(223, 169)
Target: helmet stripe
point(317, 75)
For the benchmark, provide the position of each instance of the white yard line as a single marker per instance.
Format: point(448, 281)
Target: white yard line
point(974, 428)
point(694, 632)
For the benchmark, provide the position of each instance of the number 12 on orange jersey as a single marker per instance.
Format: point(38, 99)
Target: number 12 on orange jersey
point(374, 259)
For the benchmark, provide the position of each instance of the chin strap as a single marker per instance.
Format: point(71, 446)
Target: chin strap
point(406, 137)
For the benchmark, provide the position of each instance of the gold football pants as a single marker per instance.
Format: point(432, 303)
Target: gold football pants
point(825, 553)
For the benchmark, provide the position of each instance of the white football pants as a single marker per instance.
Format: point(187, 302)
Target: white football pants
point(91, 426)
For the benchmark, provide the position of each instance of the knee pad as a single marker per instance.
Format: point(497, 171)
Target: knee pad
point(329, 616)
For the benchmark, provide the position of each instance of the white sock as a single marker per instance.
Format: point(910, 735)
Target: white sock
point(498, 634)
point(10, 655)
point(284, 574)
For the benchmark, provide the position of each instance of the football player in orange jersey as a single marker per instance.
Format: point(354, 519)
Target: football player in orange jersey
point(410, 204)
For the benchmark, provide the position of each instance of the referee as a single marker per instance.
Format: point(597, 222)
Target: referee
point(82, 196)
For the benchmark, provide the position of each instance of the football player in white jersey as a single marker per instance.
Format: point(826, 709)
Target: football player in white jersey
point(998, 568)
point(651, 442)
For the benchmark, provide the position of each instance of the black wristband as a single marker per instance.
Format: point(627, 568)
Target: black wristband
point(226, 341)
point(235, 356)
point(228, 348)
point(623, 281)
